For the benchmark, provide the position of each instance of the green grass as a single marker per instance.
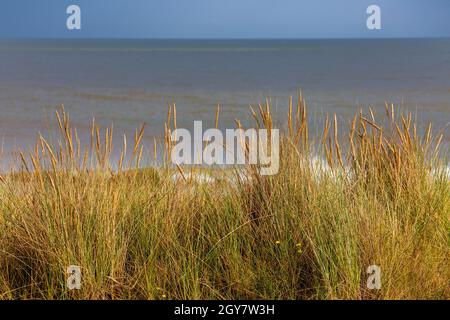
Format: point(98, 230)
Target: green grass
point(309, 232)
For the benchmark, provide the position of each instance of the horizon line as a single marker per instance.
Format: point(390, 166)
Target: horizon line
point(226, 39)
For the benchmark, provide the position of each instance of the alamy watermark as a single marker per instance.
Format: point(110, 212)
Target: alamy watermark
point(374, 279)
point(73, 21)
point(252, 146)
point(374, 20)
point(74, 279)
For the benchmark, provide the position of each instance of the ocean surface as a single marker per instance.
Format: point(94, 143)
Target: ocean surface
point(129, 82)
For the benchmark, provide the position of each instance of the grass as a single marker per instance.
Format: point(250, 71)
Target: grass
point(381, 196)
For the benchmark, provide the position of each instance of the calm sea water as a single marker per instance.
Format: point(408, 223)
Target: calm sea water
point(129, 82)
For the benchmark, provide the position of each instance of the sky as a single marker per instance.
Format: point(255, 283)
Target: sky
point(224, 19)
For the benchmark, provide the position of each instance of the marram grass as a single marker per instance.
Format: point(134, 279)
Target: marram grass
point(379, 197)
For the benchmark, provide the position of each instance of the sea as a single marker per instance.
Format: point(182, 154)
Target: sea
point(131, 82)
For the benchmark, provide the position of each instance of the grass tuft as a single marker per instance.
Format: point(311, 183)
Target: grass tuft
point(377, 194)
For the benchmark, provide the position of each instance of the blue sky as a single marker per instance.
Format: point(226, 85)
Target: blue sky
point(224, 18)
